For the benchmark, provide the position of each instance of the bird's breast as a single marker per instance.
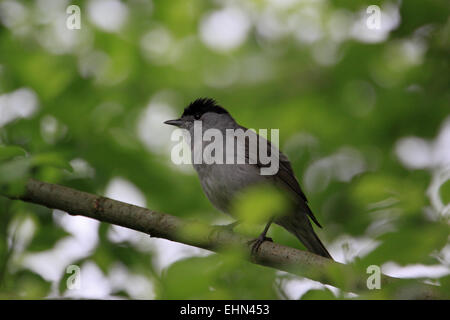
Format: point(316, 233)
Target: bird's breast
point(221, 182)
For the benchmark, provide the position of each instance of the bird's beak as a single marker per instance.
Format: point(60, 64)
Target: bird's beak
point(176, 122)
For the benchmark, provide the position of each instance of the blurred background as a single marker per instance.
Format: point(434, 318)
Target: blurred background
point(363, 112)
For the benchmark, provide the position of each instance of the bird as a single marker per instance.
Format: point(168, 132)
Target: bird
point(222, 181)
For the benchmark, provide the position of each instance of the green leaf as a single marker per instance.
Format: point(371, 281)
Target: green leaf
point(29, 285)
point(224, 276)
point(14, 170)
point(8, 152)
point(259, 204)
point(444, 192)
point(323, 294)
point(52, 159)
point(189, 279)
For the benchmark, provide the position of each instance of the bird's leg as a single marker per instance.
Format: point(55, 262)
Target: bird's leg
point(262, 237)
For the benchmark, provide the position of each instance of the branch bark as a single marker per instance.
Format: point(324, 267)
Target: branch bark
point(169, 227)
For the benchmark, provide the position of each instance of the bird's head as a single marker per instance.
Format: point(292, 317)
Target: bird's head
point(206, 110)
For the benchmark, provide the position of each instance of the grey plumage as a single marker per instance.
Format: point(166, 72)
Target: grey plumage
point(222, 182)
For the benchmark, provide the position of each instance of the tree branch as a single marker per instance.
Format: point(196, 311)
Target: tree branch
point(166, 226)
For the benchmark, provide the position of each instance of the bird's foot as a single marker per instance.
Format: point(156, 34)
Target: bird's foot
point(257, 243)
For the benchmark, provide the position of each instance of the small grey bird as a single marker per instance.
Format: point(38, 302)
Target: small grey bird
point(222, 182)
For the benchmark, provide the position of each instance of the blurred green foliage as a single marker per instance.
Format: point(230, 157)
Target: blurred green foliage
point(220, 277)
point(82, 107)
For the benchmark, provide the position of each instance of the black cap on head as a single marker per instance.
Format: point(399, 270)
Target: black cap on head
point(201, 106)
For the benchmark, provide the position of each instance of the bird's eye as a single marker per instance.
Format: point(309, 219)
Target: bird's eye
point(197, 116)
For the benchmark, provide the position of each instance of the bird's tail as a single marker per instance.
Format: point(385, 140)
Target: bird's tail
point(312, 242)
point(301, 227)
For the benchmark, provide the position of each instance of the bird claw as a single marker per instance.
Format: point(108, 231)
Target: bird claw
point(258, 242)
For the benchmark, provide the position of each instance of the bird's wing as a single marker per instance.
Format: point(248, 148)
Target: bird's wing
point(285, 174)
